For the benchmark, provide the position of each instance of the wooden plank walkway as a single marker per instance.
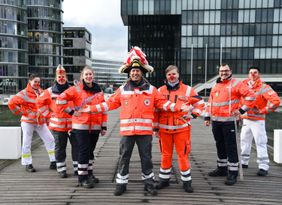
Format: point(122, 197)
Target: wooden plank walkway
point(45, 187)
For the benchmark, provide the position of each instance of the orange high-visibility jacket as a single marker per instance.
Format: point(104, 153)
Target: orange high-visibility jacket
point(24, 103)
point(267, 100)
point(137, 108)
point(172, 122)
point(46, 103)
point(225, 98)
point(80, 98)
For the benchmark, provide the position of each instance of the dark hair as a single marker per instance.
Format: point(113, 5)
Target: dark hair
point(32, 76)
point(170, 68)
point(254, 67)
point(224, 64)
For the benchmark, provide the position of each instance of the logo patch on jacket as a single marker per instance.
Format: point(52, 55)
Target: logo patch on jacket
point(147, 102)
point(126, 102)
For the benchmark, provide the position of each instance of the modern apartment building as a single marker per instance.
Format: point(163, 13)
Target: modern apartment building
point(13, 46)
point(197, 35)
point(77, 50)
point(106, 72)
point(45, 38)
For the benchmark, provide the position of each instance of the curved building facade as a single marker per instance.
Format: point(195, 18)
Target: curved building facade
point(13, 45)
point(45, 38)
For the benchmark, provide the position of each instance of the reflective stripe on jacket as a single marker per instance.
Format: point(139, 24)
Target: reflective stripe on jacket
point(267, 100)
point(81, 98)
point(24, 103)
point(225, 98)
point(46, 103)
point(137, 108)
point(173, 122)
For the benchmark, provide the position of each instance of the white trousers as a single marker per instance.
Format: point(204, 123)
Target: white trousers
point(44, 134)
point(254, 129)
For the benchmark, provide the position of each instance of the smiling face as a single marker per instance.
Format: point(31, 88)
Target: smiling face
point(224, 72)
point(135, 74)
point(172, 76)
point(254, 74)
point(88, 76)
point(35, 83)
point(61, 79)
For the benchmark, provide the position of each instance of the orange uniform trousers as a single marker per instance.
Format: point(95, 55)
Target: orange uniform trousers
point(182, 143)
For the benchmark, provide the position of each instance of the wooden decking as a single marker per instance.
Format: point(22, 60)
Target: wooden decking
point(45, 187)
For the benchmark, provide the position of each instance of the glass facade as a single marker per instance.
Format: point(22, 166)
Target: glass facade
point(204, 33)
point(77, 50)
point(13, 45)
point(45, 38)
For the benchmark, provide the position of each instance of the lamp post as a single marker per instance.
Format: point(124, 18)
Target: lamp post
point(206, 68)
point(191, 79)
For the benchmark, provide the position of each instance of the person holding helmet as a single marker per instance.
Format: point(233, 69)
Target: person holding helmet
point(174, 128)
point(85, 126)
point(137, 99)
point(60, 122)
point(267, 101)
point(24, 103)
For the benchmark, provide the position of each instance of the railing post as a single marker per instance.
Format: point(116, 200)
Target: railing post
point(277, 148)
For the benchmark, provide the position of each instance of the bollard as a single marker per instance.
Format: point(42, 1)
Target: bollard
point(10, 142)
point(277, 155)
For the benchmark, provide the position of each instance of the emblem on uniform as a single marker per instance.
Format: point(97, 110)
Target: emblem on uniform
point(216, 94)
point(126, 102)
point(147, 102)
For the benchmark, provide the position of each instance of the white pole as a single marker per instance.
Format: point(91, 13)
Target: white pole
point(191, 84)
point(220, 58)
point(206, 68)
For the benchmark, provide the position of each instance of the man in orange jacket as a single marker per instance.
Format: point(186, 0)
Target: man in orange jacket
point(174, 128)
point(254, 121)
point(60, 123)
point(137, 99)
point(224, 111)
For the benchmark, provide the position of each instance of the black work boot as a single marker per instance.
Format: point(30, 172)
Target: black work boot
point(218, 172)
point(53, 165)
point(87, 183)
point(93, 178)
point(262, 172)
point(120, 189)
point(162, 184)
point(151, 189)
point(231, 179)
point(30, 168)
point(63, 174)
point(187, 186)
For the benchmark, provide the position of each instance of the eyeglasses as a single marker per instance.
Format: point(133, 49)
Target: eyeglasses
point(224, 71)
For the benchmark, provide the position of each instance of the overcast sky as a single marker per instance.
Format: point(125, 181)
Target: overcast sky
point(102, 18)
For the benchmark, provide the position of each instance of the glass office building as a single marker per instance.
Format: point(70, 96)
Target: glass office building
point(13, 45)
point(197, 35)
point(45, 38)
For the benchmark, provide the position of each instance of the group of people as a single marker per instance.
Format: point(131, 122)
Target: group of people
point(78, 113)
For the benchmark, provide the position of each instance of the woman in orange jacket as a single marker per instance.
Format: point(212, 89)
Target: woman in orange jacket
point(60, 122)
point(174, 128)
point(24, 103)
point(85, 126)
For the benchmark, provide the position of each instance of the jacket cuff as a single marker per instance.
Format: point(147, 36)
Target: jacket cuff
point(71, 112)
point(104, 128)
point(241, 111)
point(194, 115)
point(207, 118)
